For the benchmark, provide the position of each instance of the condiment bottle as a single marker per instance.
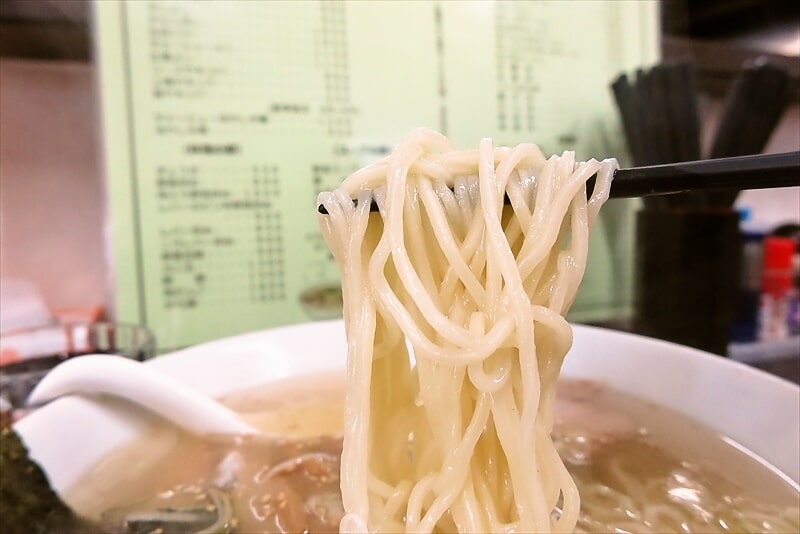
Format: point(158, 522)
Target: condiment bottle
point(776, 285)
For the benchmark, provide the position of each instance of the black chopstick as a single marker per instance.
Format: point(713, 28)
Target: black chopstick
point(684, 125)
point(658, 109)
point(757, 102)
point(628, 97)
point(763, 171)
point(624, 97)
point(685, 84)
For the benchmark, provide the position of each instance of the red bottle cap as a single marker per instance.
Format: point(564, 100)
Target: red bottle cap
point(778, 252)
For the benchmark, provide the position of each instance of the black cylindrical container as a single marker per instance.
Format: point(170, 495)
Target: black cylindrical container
point(687, 276)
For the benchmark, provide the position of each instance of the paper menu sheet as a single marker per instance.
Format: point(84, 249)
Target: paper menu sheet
point(223, 120)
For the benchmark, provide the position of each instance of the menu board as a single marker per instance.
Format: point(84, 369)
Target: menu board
point(223, 120)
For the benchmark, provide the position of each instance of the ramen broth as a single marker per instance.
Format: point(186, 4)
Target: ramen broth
point(639, 467)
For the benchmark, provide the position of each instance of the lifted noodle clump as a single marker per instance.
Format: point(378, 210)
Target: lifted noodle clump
point(454, 310)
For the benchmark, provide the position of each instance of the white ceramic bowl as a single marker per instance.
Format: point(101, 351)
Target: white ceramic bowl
point(761, 412)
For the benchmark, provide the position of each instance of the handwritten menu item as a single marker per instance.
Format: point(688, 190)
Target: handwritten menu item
point(223, 120)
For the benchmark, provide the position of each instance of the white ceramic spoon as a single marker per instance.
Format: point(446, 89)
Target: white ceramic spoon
point(143, 385)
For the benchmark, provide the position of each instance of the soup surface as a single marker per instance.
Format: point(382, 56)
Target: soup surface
point(639, 468)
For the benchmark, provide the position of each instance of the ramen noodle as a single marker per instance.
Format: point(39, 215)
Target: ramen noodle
point(454, 309)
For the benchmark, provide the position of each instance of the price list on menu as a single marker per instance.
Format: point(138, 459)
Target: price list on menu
point(223, 120)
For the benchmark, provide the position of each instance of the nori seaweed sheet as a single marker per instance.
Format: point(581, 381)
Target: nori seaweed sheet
point(28, 505)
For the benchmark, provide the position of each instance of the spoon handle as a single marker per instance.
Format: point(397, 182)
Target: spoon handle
point(138, 383)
